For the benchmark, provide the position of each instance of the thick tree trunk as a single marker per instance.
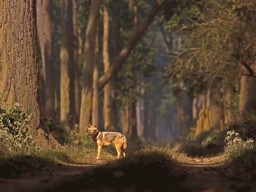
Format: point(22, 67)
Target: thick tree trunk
point(45, 33)
point(87, 72)
point(19, 71)
point(66, 56)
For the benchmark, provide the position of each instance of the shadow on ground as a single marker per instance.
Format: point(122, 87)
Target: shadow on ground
point(25, 166)
point(153, 171)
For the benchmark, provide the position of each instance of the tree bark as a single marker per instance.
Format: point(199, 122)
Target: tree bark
point(216, 109)
point(95, 98)
point(19, 58)
point(116, 39)
point(247, 101)
point(87, 72)
point(66, 56)
point(45, 34)
point(138, 32)
point(228, 98)
point(76, 74)
point(107, 87)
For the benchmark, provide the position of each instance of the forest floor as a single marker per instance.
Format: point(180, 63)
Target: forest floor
point(152, 172)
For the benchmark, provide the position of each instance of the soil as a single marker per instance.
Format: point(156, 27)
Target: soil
point(197, 175)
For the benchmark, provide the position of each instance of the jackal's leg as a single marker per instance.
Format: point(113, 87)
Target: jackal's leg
point(99, 150)
point(118, 150)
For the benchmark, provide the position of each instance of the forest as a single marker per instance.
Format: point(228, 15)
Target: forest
point(170, 85)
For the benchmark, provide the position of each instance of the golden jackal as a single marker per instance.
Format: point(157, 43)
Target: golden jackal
point(108, 138)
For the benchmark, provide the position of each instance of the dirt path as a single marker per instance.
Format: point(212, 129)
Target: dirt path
point(46, 179)
point(202, 175)
point(206, 175)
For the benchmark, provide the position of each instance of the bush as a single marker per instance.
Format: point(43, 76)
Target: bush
point(14, 130)
point(236, 146)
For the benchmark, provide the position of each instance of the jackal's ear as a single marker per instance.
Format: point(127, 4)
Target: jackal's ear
point(95, 125)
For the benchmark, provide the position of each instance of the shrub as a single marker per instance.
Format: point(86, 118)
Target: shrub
point(236, 146)
point(14, 131)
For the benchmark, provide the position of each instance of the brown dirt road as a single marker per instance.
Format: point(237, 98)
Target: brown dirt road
point(202, 175)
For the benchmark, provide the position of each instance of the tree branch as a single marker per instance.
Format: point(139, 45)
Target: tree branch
point(124, 53)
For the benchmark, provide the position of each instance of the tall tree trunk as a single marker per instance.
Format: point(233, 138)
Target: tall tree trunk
point(76, 74)
point(125, 118)
point(107, 87)
point(66, 56)
point(140, 113)
point(134, 122)
point(216, 109)
point(95, 98)
point(247, 101)
point(228, 99)
point(87, 72)
point(133, 134)
point(19, 70)
point(184, 113)
point(116, 39)
point(45, 34)
point(124, 53)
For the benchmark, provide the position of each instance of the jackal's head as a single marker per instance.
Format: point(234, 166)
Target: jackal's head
point(92, 130)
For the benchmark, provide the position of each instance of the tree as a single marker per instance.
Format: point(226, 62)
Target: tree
point(19, 60)
point(124, 53)
point(45, 34)
point(95, 86)
point(220, 49)
point(87, 71)
point(106, 61)
point(75, 71)
point(66, 56)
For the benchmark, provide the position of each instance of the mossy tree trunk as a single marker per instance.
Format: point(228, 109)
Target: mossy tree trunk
point(19, 70)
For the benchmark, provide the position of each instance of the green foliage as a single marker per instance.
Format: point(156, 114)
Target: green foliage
point(219, 35)
point(14, 130)
point(130, 80)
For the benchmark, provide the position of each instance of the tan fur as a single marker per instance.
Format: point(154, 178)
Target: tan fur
point(107, 138)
